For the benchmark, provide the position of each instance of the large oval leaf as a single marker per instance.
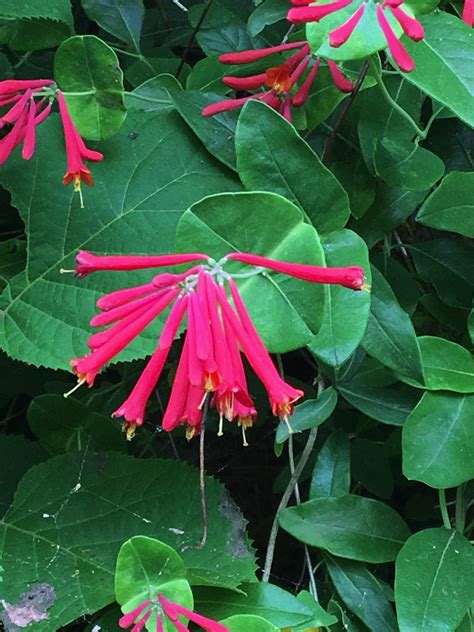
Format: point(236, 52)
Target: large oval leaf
point(286, 311)
point(433, 581)
point(134, 207)
point(438, 440)
point(264, 141)
point(89, 69)
point(349, 526)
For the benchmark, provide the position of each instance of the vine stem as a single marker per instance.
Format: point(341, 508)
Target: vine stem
point(460, 509)
point(444, 509)
point(335, 131)
point(398, 108)
point(284, 502)
point(309, 564)
point(202, 472)
point(193, 35)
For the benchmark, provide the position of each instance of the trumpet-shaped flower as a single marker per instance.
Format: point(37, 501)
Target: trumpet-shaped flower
point(167, 610)
point(307, 11)
point(277, 81)
point(219, 334)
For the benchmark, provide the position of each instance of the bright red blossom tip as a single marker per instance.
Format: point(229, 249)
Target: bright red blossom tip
point(468, 12)
point(339, 36)
point(397, 50)
point(86, 262)
point(315, 13)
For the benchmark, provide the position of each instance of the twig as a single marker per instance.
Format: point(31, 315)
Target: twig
point(202, 473)
point(309, 564)
point(284, 502)
point(444, 509)
point(197, 28)
point(332, 138)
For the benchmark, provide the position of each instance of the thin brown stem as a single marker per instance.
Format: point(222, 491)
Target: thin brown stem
point(197, 28)
point(342, 116)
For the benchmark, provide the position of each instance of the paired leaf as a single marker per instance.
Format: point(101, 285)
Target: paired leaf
point(89, 69)
point(264, 224)
point(121, 18)
point(331, 475)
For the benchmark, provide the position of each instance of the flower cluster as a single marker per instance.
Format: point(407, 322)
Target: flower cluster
point(280, 80)
point(218, 334)
point(310, 11)
point(172, 611)
point(26, 113)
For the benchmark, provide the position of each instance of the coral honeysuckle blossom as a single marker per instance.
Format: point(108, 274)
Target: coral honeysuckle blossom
point(279, 79)
point(166, 609)
point(468, 12)
point(26, 113)
point(310, 11)
point(218, 335)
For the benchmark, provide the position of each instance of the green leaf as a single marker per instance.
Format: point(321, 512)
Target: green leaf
point(451, 205)
point(438, 440)
point(215, 132)
point(121, 18)
point(20, 454)
point(154, 94)
point(389, 405)
point(390, 337)
point(349, 526)
point(433, 581)
point(449, 265)
point(320, 616)
point(390, 209)
point(359, 184)
point(267, 13)
point(264, 224)
point(71, 515)
point(157, 62)
point(309, 414)
point(264, 140)
point(35, 34)
point(145, 568)
point(66, 425)
point(443, 61)
point(447, 366)
point(248, 623)
point(402, 281)
point(85, 64)
point(370, 466)
point(331, 475)
point(134, 207)
point(346, 312)
point(270, 602)
point(225, 26)
point(59, 10)
point(362, 593)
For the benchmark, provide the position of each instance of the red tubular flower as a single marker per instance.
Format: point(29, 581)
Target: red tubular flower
point(340, 81)
point(411, 27)
point(76, 151)
point(210, 370)
point(279, 79)
point(86, 262)
point(468, 12)
point(397, 50)
point(351, 277)
point(315, 13)
point(339, 36)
